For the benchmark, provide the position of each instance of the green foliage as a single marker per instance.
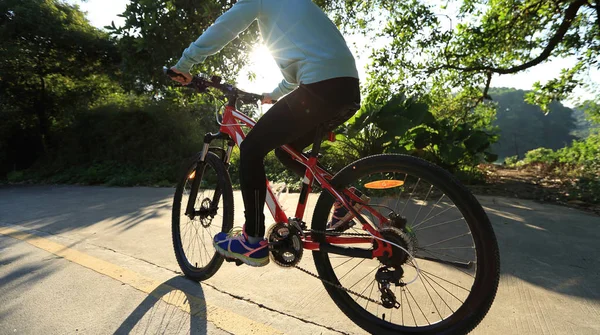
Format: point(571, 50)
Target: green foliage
point(540, 155)
point(155, 34)
point(580, 161)
point(408, 126)
point(52, 62)
point(127, 141)
point(511, 161)
point(460, 45)
point(583, 153)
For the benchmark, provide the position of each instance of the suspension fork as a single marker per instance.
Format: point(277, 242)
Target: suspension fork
point(199, 172)
point(218, 191)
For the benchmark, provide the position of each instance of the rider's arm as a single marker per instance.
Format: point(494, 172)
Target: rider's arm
point(282, 89)
point(227, 27)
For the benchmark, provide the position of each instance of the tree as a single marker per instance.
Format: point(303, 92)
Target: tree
point(523, 127)
point(460, 45)
point(52, 62)
point(155, 34)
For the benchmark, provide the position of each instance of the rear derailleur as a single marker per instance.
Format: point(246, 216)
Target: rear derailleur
point(386, 276)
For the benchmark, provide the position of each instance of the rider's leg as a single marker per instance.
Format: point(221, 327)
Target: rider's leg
point(286, 121)
point(308, 139)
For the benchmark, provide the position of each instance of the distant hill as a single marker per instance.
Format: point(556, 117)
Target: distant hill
point(582, 125)
point(523, 127)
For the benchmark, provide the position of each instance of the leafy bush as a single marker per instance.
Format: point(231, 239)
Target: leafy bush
point(579, 162)
point(126, 141)
point(540, 155)
point(511, 161)
point(407, 126)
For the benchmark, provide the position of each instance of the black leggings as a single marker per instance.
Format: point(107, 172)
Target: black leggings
point(293, 120)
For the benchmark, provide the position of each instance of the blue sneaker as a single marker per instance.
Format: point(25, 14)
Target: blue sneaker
point(235, 245)
point(341, 219)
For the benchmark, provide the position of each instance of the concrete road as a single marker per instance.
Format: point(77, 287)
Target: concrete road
point(98, 260)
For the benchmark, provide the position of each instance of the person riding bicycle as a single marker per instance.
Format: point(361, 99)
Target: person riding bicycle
point(321, 83)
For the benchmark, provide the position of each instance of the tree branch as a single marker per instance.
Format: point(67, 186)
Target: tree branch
point(597, 7)
point(483, 96)
point(570, 14)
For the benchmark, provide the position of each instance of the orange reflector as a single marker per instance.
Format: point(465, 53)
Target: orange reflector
point(384, 184)
point(193, 175)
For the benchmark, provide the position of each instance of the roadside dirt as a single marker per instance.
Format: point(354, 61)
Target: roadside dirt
point(530, 183)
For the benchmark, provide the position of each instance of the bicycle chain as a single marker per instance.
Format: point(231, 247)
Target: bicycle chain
point(340, 287)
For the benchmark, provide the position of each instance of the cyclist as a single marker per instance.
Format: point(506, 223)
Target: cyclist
point(320, 80)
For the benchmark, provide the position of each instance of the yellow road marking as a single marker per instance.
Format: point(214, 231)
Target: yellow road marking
point(222, 318)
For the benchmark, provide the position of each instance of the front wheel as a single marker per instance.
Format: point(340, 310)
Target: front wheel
point(193, 235)
point(449, 285)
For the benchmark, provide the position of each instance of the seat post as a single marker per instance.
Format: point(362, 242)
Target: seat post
point(314, 152)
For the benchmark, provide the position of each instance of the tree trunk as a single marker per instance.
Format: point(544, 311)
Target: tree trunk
point(43, 119)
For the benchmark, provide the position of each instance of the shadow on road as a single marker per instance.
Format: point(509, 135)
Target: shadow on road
point(177, 306)
point(58, 209)
point(553, 247)
point(550, 246)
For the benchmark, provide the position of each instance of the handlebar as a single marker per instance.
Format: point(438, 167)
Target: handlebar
point(201, 82)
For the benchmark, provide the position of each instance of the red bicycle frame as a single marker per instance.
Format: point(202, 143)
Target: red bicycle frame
point(231, 125)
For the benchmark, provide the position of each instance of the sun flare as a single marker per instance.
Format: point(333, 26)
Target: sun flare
point(263, 66)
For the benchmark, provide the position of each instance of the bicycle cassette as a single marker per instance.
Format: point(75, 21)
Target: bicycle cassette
point(285, 244)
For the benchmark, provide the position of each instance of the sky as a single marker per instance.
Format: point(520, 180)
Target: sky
point(102, 12)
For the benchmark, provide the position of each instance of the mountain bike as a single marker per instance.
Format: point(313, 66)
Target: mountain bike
point(416, 253)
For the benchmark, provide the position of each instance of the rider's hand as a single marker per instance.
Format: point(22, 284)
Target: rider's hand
point(186, 79)
point(267, 99)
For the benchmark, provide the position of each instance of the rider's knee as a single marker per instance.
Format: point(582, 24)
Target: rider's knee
point(249, 152)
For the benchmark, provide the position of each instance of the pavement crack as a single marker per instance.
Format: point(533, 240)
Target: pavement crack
point(238, 297)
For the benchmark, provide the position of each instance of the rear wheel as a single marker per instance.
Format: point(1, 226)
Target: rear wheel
point(193, 236)
point(425, 210)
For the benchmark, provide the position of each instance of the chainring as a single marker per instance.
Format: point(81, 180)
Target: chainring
point(285, 244)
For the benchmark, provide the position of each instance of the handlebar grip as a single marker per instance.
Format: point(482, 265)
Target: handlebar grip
point(172, 73)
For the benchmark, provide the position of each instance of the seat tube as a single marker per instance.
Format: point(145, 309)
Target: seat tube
point(306, 189)
point(307, 182)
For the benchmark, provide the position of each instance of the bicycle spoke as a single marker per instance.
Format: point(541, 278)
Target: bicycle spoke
point(433, 253)
point(450, 308)
point(370, 293)
point(402, 305)
point(446, 240)
point(452, 248)
point(424, 201)
point(410, 308)
point(439, 231)
point(359, 263)
point(433, 217)
point(410, 196)
point(350, 287)
point(449, 282)
point(433, 207)
point(419, 306)
point(400, 189)
point(440, 224)
point(433, 302)
point(348, 260)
